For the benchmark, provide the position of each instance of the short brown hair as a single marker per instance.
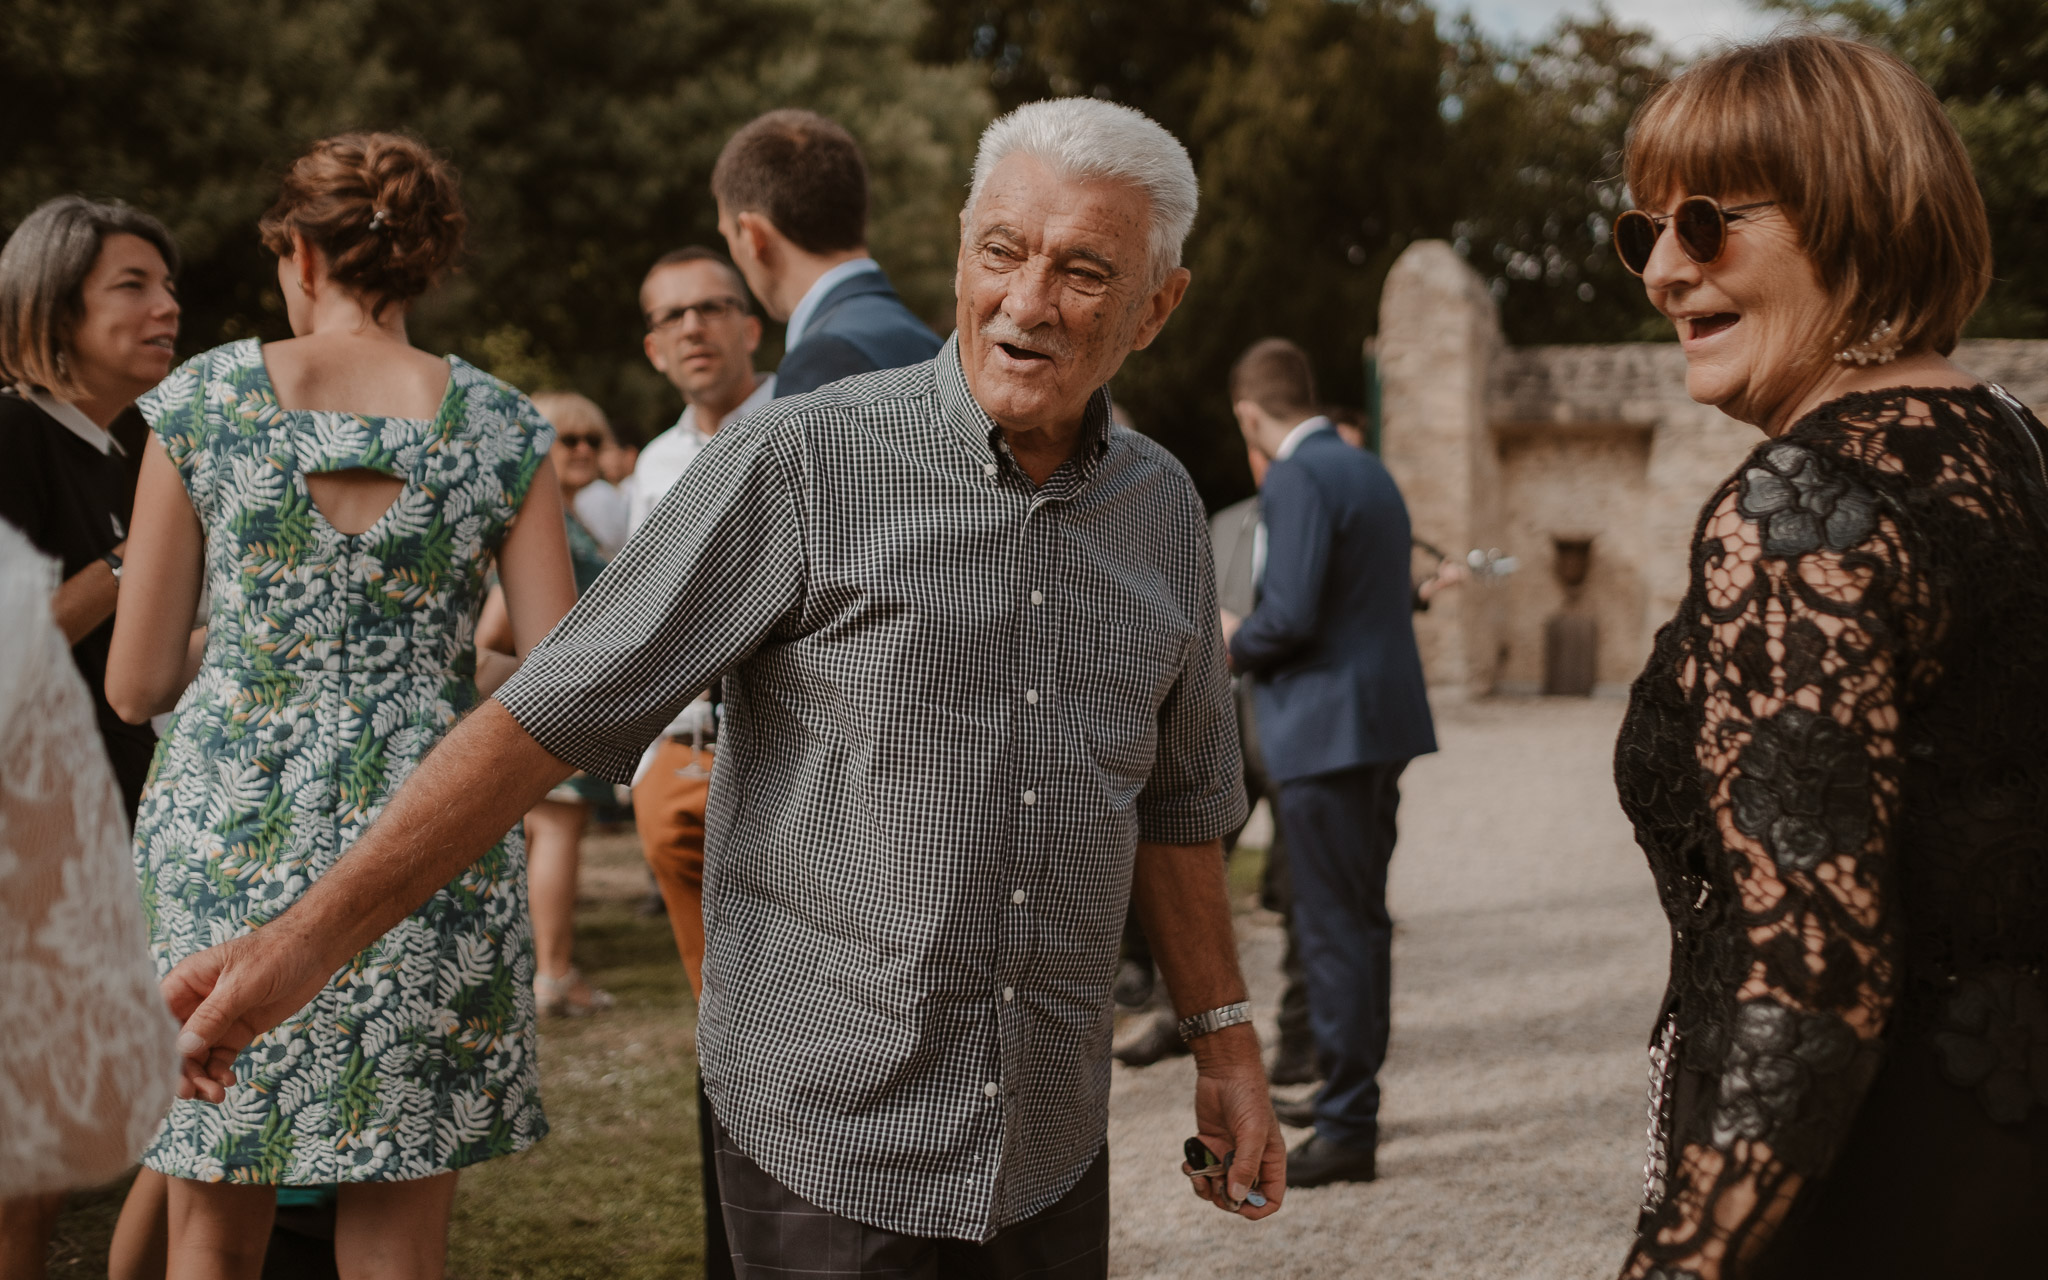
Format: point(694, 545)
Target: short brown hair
point(803, 173)
point(1857, 152)
point(1275, 375)
point(42, 281)
point(698, 253)
point(384, 209)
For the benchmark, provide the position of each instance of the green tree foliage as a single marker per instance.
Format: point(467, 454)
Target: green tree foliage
point(1538, 139)
point(1987, 60)
point(585, 134)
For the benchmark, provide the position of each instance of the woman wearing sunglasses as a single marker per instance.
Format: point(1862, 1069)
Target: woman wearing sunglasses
point(554, 827)
point(1837, 757)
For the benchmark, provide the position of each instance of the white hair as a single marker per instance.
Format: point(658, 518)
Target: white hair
point(1080, 138)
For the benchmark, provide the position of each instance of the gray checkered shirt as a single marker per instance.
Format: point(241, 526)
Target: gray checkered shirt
point(955, 703)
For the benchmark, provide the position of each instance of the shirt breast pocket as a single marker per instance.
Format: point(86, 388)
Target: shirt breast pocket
point(1122, 663)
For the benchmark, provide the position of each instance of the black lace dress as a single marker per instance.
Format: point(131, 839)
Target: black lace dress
point(1837, 764)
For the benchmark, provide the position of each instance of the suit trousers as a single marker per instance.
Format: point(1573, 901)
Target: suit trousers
point(778, 1235)
point(668, 809)
point(1340, 837)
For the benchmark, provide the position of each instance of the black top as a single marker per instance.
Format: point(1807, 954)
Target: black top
point(73, 503)
point(1837, 764)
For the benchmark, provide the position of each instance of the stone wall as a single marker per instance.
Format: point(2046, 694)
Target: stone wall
point(1516, 448)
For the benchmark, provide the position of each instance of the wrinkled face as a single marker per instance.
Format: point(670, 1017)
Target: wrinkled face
point(700, 335)
point(1749, 321)
point(1054, 291)
point(128, 326)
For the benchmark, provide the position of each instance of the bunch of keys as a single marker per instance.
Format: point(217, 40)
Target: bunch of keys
point(1203, 1163)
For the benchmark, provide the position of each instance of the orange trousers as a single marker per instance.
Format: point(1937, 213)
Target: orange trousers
point(668, 808)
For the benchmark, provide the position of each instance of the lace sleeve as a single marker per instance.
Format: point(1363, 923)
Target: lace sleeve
point(1810, 606)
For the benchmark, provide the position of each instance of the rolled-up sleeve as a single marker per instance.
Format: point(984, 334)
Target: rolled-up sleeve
point(1196, 791)
point(714, 572)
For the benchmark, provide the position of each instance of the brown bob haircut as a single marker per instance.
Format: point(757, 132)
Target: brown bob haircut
point(1859, 155)
point(43, 270)
point(803, 173)
point(1275, 375)
point(384, 209)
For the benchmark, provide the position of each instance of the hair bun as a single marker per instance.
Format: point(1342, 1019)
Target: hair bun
point(383, 208)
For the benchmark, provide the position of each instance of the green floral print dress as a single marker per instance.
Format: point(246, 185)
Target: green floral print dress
point(333, 664)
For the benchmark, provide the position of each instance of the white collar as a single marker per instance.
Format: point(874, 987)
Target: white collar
point(73, 418)
point(1302, 431)
point(800, 315)
point(763, 392)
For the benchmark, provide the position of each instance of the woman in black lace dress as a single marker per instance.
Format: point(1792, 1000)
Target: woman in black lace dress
point(1837, 757)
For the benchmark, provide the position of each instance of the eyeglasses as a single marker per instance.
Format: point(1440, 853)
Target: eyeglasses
point(572, 440)
point(710, 309)
point(1701, 223)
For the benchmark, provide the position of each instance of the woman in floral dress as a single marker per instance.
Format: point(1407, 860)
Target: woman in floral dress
point(342, 495)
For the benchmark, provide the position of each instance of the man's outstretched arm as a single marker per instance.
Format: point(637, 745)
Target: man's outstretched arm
point(461, 800)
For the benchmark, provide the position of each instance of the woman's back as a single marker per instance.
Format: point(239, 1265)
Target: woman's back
point(337, 654)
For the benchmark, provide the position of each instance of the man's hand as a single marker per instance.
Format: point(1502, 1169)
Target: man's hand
point(1234, 1113)
point(228, 995)
point(1231, 622)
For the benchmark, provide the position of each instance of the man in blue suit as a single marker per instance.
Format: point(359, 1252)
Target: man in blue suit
point(792, 194)
point(1337, 685)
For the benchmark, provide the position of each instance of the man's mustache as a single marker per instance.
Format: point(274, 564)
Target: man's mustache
point(1000, 328)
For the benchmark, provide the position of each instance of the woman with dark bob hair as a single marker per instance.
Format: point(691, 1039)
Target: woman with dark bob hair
point(88, 320)
point(1835, 759)
point(342, 496)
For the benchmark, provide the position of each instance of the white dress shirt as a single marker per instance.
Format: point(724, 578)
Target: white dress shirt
point(800, 315)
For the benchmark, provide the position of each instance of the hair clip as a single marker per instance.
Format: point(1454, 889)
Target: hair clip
point(377, 219)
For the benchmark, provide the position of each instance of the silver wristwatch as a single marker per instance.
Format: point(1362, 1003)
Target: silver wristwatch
point(1211, 1020)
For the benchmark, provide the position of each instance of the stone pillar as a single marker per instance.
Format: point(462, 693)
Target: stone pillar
point(1439, 335)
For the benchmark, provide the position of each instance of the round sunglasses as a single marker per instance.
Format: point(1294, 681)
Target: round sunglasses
point(1701, 224)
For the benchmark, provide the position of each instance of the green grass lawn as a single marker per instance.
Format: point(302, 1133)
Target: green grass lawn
point(612, 1191)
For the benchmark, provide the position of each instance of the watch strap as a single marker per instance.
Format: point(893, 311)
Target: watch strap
point(113, 563)
point(1213, 1020)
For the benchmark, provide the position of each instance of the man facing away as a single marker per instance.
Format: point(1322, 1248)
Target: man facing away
point(1341, 709)
point(977, 699)
point(792, 194)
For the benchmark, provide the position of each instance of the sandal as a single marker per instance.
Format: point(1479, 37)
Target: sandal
point(556, 997)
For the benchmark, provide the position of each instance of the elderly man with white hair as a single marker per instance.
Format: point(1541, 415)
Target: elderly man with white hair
point(977, 700)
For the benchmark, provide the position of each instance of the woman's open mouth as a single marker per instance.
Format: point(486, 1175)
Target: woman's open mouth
point(1708, 326)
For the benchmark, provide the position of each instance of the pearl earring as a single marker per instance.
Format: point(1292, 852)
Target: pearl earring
point(1878, 348)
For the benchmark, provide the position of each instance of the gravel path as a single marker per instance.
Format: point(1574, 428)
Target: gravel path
point(1528, 957)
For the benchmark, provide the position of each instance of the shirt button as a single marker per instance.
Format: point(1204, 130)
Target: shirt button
point(1009, 993)
point(1038, 597)
point(988, 468)
point(991, 1088)
point(1030, 798)
point(1031, 697)
point(1017, 897)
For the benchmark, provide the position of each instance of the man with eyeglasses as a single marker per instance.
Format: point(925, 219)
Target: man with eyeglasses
point(701, 335)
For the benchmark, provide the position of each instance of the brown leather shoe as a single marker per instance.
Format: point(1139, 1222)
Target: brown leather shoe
point(1298, 1114)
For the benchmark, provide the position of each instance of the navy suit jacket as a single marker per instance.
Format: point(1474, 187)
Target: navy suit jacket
point(859, 327)
point(1337, 679)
